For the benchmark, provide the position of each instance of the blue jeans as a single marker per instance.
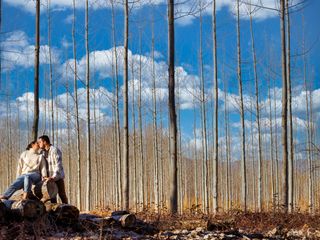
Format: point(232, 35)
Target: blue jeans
point(24, 181)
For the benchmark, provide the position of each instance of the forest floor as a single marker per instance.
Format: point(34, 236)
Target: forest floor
point(234, 225)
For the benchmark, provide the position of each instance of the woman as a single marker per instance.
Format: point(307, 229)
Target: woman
point(31, 168)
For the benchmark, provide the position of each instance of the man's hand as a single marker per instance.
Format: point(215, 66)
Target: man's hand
point(48, 178)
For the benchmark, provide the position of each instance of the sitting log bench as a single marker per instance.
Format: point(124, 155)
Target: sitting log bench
point(17, 209)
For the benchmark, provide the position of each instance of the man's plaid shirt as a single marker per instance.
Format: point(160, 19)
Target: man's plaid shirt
point(54, 163)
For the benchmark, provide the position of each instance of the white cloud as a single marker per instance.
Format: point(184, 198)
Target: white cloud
point(18, 52)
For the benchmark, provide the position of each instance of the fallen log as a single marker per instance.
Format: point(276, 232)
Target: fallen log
point(64, 213)
point(46, 190)
point(26, 208)
point(125, 218)
point(95, 222)
point(3, 212)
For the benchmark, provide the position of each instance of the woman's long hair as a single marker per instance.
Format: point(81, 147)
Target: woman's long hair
point(30, 145)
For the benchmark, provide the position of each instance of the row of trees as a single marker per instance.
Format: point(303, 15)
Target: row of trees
point(124, 171)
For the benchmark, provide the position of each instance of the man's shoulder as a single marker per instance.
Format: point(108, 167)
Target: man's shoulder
point(55, 150)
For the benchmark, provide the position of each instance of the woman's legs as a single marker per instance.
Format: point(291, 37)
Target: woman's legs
point(29, 180)
point(24, 181)
point(15, 186)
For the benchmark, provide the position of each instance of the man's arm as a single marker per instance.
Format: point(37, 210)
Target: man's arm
point(57, 161)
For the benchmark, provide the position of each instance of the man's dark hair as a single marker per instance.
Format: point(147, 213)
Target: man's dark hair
point(45, 138)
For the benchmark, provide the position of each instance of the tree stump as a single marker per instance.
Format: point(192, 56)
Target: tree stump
point(46, 190)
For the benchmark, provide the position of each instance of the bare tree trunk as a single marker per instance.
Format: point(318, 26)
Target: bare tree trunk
point(260, 170)
point(173, 176)
point(134, 152)
point(125, 162)
point(290, 133)
point(272, 173)
point(284, 114)
point(76, 107)
point(118, 137)
point(216, 133)
point(308, 128)
point(95, 144)
point(277, 182)
point(36, 74)
point(141, 165)
point(88, 189)
point(155, 129)
point(227, 150)
point(50, 71)
point(243, 136)
point(68, 133)
point(205, 164)
point(196, 193)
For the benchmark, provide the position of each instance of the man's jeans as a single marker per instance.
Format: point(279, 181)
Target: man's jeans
point(24, 181)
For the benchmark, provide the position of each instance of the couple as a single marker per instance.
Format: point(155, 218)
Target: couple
point(35, 166)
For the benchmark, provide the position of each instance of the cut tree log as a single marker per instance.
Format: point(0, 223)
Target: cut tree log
point(27, 208)
point(64, 213)
point(3, 212)
point(124, 218)
point(95, 222)
point(46, 190)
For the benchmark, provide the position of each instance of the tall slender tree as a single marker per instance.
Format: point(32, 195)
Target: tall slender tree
point(205, 163)
point(36, 74)
point(215, 80)
point(50, 71)
point(125, 162)
point(243, 133)
point(76, 105)
point(88, 144)
point(173, 192)
point(155, 128)
point(257, 107)
point(290, 133)
point(117, 115)
point(284, 114)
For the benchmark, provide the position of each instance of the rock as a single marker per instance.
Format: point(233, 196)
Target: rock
point(173, 237)
point(177, 231)
point(272, 232)
point(228, 236)
point(194, 233)
point(185, 231)
point(295, 233)
point(317, 234)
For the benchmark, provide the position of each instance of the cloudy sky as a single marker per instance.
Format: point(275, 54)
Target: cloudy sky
point(17, 46)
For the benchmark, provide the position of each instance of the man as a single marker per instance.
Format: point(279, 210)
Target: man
point(31, 167)
point(55, 169)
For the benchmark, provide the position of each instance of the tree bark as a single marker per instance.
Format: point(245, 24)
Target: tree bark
point(173, 192)
point(88, 163)
point(36, 74)
point(243, 136)
point(256, 82)
point(284, 115)
point(125, 162)
point(290, 133)
point(216, 99)
point(76, 108)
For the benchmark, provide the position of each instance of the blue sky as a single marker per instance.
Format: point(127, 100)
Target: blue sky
point(18, 39)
